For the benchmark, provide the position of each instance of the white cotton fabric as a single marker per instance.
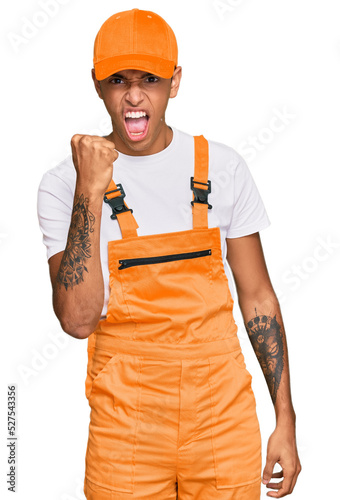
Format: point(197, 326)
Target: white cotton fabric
point(158, 190)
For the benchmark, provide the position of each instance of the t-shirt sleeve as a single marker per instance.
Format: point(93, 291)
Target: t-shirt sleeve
point(54, 206)
point(249, 214)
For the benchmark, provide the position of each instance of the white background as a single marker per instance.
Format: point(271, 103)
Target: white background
point(244, 62)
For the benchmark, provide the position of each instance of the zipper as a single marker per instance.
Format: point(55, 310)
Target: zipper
point(125, 263)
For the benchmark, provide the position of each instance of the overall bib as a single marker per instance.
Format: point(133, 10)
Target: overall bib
point(173, 414)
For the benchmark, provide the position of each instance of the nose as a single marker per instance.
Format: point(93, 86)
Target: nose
point(135, 94)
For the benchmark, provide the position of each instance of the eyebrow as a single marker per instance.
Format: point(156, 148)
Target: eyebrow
point(119, 75)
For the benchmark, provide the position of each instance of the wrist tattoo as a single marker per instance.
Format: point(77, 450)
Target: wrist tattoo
point(265, 334)
point(78, 247)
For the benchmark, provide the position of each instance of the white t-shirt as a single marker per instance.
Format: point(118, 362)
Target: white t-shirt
point(157, 188)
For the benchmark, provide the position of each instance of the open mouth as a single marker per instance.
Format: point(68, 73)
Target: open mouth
point(136, 125)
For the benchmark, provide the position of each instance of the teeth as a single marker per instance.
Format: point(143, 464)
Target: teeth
point(135, 114)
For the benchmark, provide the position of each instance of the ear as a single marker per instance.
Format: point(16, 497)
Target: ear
point(176, 79)
point(96, 84)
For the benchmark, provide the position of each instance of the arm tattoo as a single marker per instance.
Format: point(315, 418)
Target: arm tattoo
point(78, 247)
point(266, 338)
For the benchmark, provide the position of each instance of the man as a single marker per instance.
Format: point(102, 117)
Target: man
point(172, 410)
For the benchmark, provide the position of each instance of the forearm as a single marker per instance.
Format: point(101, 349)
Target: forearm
point(264, 325)
point(78, 290)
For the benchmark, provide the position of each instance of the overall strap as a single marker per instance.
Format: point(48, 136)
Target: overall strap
point(114, 196)
point(200, 184)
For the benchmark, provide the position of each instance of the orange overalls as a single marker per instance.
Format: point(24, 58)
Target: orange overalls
point(171, 401)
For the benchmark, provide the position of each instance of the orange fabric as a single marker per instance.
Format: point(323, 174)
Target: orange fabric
point(170, 395)
point(126, 40)
point(127, 222)
point(200, 211)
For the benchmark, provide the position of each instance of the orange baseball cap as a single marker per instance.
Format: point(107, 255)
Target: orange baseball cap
point(135, 39)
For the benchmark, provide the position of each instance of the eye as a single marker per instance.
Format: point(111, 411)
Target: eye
point(116, 81)
point(151, 79)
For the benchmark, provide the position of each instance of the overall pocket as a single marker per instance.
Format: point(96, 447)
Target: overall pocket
point(236, 438)
point(100, 363)
point(115, 408)
point(238, 359)
point(143, 261)
point(165, 288)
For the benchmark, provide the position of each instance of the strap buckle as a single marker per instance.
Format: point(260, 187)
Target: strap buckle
point(201, 195)
point(117, 203)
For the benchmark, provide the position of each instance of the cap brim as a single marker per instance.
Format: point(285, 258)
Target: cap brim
point(151, 64)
